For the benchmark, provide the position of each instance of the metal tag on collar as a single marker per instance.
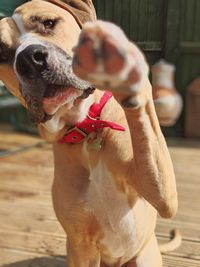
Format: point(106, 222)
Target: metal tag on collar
point(94, 142)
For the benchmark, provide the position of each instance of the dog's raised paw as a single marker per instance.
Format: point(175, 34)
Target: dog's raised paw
point(105, 57)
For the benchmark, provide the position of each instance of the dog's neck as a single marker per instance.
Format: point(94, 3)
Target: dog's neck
point(67, 116)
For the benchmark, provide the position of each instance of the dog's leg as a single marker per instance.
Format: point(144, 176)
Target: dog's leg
point(149, 257)
point(82, 255)
point(105, 57)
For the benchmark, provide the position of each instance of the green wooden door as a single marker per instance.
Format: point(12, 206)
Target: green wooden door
point(183, 45)
point(142, 20)
point(167, 29)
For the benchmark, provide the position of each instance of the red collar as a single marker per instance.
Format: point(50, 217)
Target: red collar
point(91, 123)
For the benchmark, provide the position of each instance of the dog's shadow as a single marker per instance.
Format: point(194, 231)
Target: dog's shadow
point(54, 261)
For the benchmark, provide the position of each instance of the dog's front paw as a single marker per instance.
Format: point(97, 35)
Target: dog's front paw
point(105, 57)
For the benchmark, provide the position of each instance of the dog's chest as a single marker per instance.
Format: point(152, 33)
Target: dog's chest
point(111, 209)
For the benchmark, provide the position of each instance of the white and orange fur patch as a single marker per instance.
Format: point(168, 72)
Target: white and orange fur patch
point(119, 221)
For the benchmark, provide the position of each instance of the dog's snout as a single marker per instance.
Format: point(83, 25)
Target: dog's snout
point(31, 61)
point(39, 57)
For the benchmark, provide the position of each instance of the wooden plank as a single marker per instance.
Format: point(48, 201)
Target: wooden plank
point(190, 47)
point(188, 249)
point(142, 21)
point(188, 19)
point(172, 261)
point(31, 210)
point(172, 30)
point(150, 46)
point(18, 258)
point(117, 14)
point(100, 8)
point(18, 182)
point(134, 18)
point(55, 244)
point(108, 10)
point(24, 194)
point(196, 25)
point(126, 13)
point(36, 243)
point(156, 12)
point(29, 230)
point(31, 225)
point(189, 230)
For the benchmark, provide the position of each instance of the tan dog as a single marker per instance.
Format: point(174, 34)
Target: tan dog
point(108, 187)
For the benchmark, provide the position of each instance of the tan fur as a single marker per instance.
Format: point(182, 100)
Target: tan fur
point(83, 11)
point(134, 164)
point(174, 243)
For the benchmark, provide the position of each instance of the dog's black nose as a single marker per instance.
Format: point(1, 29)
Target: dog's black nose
point(31, 61)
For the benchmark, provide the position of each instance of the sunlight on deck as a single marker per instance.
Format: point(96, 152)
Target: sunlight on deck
point(30, 235)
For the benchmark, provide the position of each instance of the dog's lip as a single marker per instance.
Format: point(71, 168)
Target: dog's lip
point(57, 98)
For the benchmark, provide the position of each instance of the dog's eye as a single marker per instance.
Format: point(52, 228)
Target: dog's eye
point(3, 55)
point(49, 23)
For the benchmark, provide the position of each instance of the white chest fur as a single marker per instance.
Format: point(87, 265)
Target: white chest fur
point(111, 208)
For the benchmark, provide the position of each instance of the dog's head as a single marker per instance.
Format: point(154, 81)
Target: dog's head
point(36, 54)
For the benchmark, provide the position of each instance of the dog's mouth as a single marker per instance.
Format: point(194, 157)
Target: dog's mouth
point(57, 96)
point(47, 80)
point(43, 107)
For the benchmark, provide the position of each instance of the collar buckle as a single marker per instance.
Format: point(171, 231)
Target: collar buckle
point(91, 124)
point(74, 135)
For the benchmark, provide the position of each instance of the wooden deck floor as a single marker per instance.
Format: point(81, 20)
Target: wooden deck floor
point(30, 235)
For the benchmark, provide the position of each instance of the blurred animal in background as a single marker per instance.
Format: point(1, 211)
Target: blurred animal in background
point(167, 100)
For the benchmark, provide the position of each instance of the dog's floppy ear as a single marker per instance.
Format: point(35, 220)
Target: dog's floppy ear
point(81, 10)
point(9, 38)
